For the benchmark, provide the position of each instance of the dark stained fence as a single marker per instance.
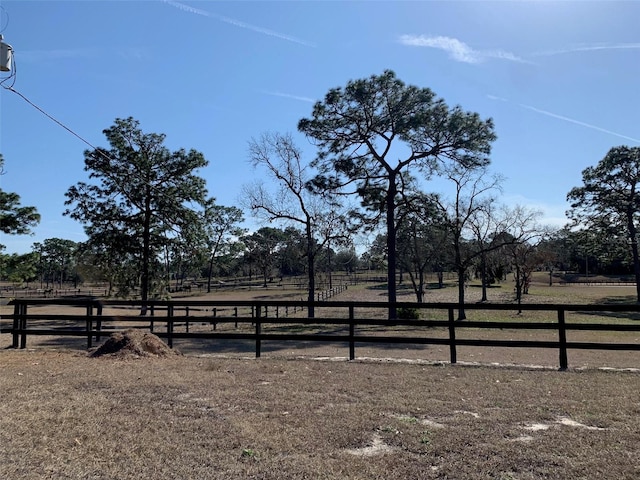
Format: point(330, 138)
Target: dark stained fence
point(85, 318)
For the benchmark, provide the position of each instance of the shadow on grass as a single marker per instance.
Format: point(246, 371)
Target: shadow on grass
point(617, 300)
point(489, 287)
point(283, 347)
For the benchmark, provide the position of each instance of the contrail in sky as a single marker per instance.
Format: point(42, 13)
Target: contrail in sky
point(589, 48)
point(577, 122)
point(238, 23)
point(293, 97)
point(566, 119)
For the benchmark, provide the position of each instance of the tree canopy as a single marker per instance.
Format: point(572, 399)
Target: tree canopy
point(609, 199)
point(15, 219)
point(372, 133)
point(141, 193)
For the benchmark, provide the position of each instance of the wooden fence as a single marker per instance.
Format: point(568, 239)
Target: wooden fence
point(88, 320)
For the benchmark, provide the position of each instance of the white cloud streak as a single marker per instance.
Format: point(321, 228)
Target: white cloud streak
point(238, 23)
point(577, 122)
point(293, 97)
point(498, 99)
point(588, 48)
point(457, 50)
point(563, 118)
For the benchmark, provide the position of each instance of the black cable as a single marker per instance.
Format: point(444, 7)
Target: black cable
point(11, 89)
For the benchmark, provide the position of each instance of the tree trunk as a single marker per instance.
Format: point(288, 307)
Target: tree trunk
point(633, 236)
point(391, 244)
point(146, 253)
point(518, 289)
point(211, 274)
point(311, 260)
point(461, 278)
point(483, 275)
point(636, 268)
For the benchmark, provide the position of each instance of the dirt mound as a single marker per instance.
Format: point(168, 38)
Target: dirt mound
point(134, 343)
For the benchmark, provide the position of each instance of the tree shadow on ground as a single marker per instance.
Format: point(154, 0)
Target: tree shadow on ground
point(617, 300)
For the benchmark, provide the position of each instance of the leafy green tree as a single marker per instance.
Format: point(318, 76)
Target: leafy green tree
point(375, 131)
point(292, 253)
point(58, 258)
point(220, 228)
point(346, 259)
point(21, 268)
point(14, 218)
point(109, 255)
point(140, 189)
point(263, 247)
point(609, 199)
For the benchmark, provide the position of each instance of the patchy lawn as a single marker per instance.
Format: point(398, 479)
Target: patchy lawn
point(66, 415)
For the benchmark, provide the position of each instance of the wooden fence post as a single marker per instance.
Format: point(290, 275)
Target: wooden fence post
point(258, 330)
point(170, 325)
point(89, 323)
point(23, 326)
point(152, 314)
point(452, 337)
point(99, 322)
point(352, 329)
point(562, 334)
point(17, 310)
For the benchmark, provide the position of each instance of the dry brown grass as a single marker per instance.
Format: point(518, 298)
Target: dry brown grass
point(218, 413)
point(65, 415)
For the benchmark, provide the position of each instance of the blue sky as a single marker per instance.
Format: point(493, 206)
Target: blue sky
point(560, 80)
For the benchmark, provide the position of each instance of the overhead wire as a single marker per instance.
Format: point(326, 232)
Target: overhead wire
point(13, 76)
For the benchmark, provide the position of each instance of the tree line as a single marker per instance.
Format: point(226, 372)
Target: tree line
point(379, 143)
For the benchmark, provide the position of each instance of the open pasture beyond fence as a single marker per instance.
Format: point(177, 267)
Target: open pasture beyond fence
point(219, 413)
point(346, 326)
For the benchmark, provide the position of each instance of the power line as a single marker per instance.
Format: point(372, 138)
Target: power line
point(11, 89)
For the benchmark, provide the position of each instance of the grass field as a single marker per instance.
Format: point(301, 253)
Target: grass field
point(225, 415)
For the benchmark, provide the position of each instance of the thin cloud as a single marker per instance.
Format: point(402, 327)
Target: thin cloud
point(588, 48)
point(566, 119)
point(498, 99)
point(293, 97)
point(577, 122)
point(238, 23)
point(457, 50)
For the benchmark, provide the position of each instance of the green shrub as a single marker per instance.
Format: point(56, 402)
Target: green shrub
point(408, 313)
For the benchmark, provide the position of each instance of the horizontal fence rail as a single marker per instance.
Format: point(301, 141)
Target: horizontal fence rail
point(86, 318)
